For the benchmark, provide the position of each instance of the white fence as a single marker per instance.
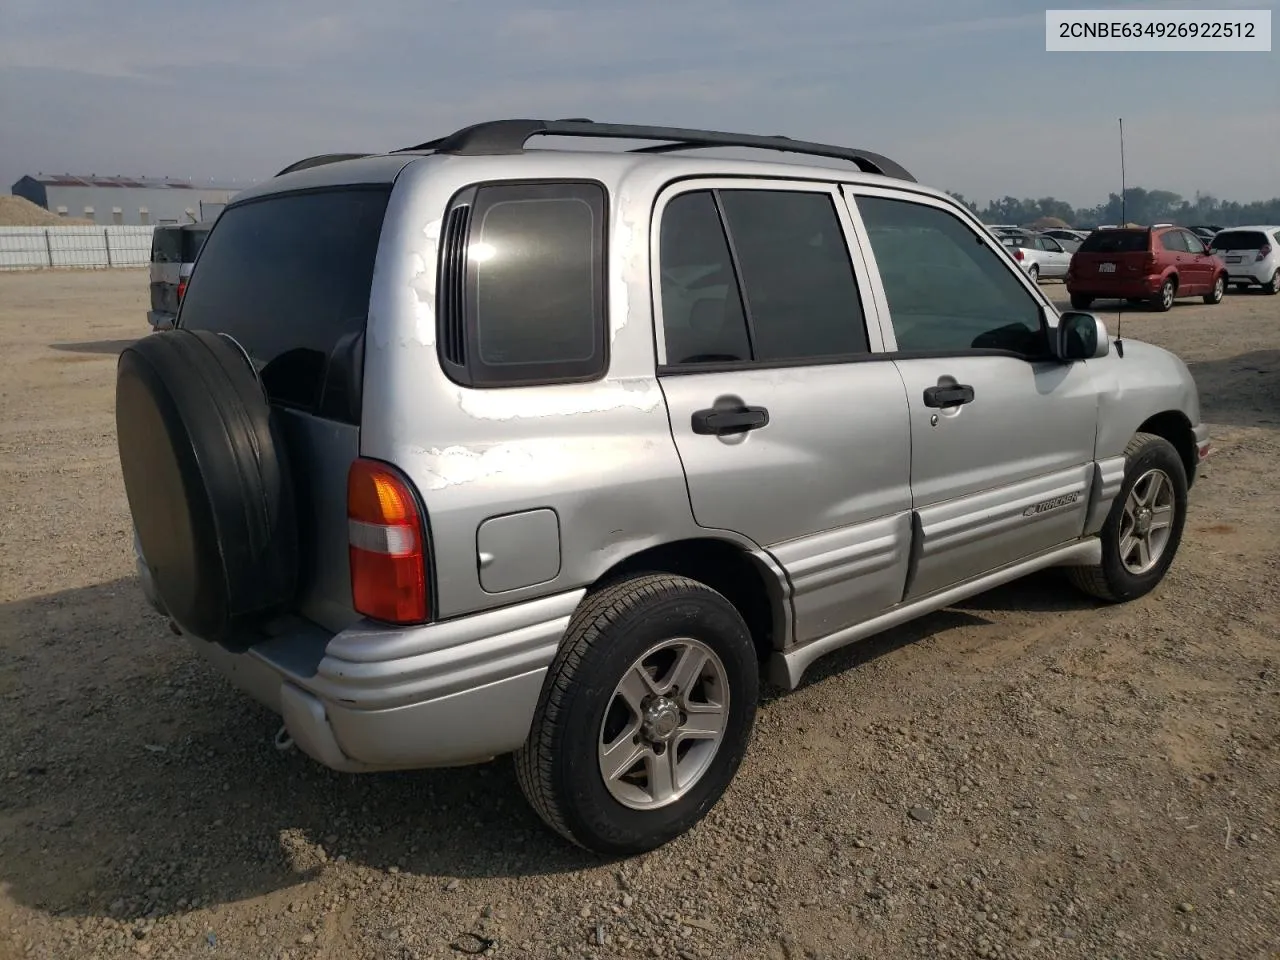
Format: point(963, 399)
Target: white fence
point(31, 248)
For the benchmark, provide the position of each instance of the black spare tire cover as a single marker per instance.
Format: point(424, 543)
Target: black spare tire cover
point(207, 477)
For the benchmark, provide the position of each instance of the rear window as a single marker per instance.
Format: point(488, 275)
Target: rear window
point(289, 278)
point(166, 245)
point(1240, 240)
point(1115, 241)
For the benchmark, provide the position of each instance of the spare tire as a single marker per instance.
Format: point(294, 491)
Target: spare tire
point(207, 476)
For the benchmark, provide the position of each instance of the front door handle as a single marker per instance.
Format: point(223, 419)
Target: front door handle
point(952, 395)
point(722, 421)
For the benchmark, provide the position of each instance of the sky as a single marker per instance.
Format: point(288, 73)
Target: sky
point(960, 92)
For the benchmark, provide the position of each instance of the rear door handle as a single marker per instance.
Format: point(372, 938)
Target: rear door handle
point(952, 395)
point(722, 421)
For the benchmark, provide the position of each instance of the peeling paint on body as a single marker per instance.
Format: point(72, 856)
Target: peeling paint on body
point(561, 401)
point(456, 465)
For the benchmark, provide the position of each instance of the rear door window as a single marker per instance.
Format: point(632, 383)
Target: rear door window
point(1173, 241)
point(797, 277)
point(289, 278)
point(757, 275)
point(703, 319)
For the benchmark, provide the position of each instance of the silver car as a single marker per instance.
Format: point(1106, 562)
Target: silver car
point(1043, 257)
point(470, 449)
point(174, 248)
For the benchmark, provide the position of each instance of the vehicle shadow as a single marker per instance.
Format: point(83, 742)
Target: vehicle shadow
point(1240, 391)
point(136, 781)
point(105, 347)
point(1044, 592)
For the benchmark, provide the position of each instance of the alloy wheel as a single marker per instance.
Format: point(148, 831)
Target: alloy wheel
point(664, 724)
point(1147, 522)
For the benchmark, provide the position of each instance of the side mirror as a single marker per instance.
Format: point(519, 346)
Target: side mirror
point(1081, 336)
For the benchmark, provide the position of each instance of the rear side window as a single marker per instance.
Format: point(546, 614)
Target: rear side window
point(289, 278)
point(1174, 241)
point(1240, 240)
point(1115, 241)
point(757, 275)
point(522, 284)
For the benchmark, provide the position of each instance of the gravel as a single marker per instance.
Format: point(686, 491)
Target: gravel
point(1026, 775)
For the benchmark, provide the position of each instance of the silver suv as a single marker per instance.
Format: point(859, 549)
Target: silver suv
point(473, 449)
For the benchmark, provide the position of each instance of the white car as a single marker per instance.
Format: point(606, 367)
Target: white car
point(1252, 256)
point(1043, 257)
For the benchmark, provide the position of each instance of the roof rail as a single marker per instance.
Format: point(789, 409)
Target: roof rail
point(320, 160)
point(510, 136)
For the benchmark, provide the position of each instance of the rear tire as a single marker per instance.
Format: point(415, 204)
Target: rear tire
point(1165, 298)
point(1218, 292)
point(1034, 273)
point(1080, 302)
point(1272, 286)
point(1154, 468)
point(615, 684)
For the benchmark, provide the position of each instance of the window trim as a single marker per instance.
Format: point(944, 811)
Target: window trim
point(713, 183)
point(466, 374)
point(1048, 312)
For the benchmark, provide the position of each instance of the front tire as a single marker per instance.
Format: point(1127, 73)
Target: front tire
point(1164, 299)
point(644, 717)
point(1144, 526)
point(1218, 292)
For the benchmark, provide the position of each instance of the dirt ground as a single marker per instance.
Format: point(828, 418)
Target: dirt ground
point(1029, 774)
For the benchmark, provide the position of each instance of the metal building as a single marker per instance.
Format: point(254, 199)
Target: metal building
point(126, 200)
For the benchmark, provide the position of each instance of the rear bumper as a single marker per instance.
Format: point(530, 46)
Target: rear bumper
point(160, 319)
point(374, 697)
point(1117, 289)
point(1253, 273)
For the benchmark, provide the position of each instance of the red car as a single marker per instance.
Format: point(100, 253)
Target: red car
point(1155, 265)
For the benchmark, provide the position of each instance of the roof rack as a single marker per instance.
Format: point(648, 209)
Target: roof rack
point(320, 160)
point(510, 136)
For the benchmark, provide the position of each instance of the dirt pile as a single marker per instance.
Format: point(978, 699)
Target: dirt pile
point(21, 212)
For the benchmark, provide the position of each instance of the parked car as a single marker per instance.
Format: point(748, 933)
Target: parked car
point(174, 248)
point(1156, 265)
point(1205, 233)
point(470, 449)
point(1070, 239)
point(1252, 256)
point(1041, 256)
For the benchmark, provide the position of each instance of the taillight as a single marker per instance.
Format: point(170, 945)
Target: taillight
point(386, 545)
point(1018, 255)
point(1264, 252)
point(1151, 261)
point(182, 289)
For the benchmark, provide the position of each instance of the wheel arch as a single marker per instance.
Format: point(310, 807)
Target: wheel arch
point(1174, 426)
point(753, 584)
